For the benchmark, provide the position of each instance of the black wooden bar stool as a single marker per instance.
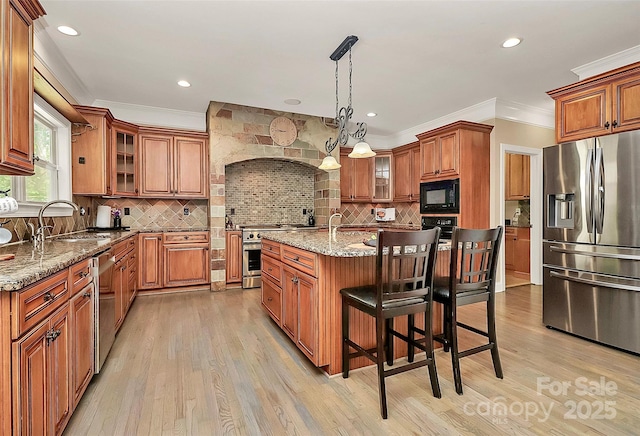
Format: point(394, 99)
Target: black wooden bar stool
point(404, 282)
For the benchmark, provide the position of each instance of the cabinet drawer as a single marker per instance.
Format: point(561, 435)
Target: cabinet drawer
point(271, 299)
point(300, 259)
point(36, 302)
point(510, 231)
point(80, 276)
point(271, 248)
point(272, 268)
point(185, 237)
point(121, 248)
point(132, 263)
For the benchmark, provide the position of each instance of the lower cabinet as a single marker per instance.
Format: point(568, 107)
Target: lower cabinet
point(82, 340)
point(123, 286)
point(517, 257)
point(186, 264)
point(42, 367)
point(233, 248)
point(150, 264)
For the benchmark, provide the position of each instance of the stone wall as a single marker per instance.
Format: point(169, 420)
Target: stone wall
point(241, 133)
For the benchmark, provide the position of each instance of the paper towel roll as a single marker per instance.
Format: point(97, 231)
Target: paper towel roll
point(103, 217)
point(8, 205)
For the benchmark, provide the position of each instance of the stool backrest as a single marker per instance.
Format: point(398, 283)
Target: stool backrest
point(405, 264)
point(474, 261)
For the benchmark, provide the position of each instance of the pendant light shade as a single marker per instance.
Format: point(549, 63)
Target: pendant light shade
point(329, 163)
point(361, 150)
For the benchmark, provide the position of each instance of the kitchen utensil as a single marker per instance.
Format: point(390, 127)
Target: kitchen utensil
point(5, 235)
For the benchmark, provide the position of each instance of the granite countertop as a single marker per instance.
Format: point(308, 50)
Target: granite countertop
point(58, 253)
point(526, 226)
point(349, 244)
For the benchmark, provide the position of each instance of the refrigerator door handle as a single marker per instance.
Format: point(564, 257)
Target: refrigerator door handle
point(598, 283)
point(599, 188)
point(593, 254)
point(589, 193)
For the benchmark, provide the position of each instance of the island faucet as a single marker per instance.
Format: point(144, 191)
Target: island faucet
point(39, 235)
point(333, 232)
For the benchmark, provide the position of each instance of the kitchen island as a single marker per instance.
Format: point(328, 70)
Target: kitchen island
point(302, 274)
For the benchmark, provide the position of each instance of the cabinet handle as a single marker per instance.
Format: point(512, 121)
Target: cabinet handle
point(49, 296)
point(270, 299)
point(269, 269)
point(615, 123)
point(136, 190)
point(87, 295)
point(270, 248)
point(296, 259)
point(606, 125)
point(83, 274)
point(186, 237)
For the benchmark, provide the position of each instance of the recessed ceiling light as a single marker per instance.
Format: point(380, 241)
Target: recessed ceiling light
point(511, 42)
point(372, 114)
point(184, 83)
point(292, 101)
point(67, 30)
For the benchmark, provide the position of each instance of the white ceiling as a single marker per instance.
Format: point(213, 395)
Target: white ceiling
point(415, 61)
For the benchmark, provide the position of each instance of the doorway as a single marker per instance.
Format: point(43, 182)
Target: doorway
point(521, 214)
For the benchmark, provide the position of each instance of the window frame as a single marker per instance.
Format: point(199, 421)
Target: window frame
point(62, 151)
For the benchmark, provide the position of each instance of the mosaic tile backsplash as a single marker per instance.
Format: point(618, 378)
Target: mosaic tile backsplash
point(268, 191)
point(358, 213)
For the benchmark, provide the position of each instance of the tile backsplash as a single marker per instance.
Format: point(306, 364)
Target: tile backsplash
point(268, 191)
point(359, 213)
point(153, 213)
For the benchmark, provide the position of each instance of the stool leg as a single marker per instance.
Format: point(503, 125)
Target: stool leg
point(411, 334)
point(388, 323)
point(428, 337)
point(380, 363)
point(491, 324)
point(455, 359)
point(345, 336)
point(446, 308)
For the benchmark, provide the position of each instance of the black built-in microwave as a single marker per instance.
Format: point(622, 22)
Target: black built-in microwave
point(442, 196)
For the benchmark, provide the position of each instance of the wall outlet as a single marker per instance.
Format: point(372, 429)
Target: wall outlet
point(233, 211)
point(186, 211)
point(372, 211)
point(127, 211)
point(304, 211)
point(518, 211)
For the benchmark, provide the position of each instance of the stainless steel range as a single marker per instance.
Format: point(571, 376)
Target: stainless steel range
point(252, 247)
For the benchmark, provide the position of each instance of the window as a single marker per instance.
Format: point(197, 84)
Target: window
point(52, 165)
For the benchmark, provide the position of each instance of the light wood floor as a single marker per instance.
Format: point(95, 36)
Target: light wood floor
point(512, 280)
point(214, 363)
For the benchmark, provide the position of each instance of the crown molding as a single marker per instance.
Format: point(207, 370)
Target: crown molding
point(154, 116)
point(608, 63)
point(522, 113)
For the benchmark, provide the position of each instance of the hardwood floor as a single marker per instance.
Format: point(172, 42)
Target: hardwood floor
point(512, 279)
point(214, 363)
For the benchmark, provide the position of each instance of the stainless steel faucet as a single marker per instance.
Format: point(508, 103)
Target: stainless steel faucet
point(333, 232)
point(39, 234)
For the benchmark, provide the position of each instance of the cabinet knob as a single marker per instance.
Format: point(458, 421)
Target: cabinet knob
point(270, 299)
point(615, 123)
point(87, 295)
point(606, 125)
point(49, 296)
point(83, 274)
point(186, 237)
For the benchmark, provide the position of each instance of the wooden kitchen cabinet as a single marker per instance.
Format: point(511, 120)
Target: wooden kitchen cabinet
point(517, 250)
point(440, 156)
point(382, 181)
point(356, 184)
point(406, 173)
point(82, 340)
point(599, 105)
point(290, 303)
point(125, 158)
point(173, 164)
point(517, 180)
point(234, 256)
point(186, 259)
point(16, 101)
point(510, 238)
point(42, 363)
point(307, 338)
point(123, 286)
point(150, 261)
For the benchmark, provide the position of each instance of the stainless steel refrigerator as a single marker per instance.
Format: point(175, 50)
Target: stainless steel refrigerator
point(591, 257)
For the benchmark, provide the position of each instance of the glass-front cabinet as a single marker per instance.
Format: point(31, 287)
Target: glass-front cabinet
point(382, 189)
point(125, 136)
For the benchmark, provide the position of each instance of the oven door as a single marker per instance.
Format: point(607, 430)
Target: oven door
point(251, 265)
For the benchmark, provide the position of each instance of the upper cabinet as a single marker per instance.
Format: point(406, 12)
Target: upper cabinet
point(440, 155)
point(124, 158)
point(16, 71)
point(406, 173)
point(173, 164)
point(355, 178)
point(90, 152)
point(600, 105)
point(517, 177)
point(382, 182)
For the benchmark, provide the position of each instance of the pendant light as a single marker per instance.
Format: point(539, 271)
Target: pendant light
point(344, 114)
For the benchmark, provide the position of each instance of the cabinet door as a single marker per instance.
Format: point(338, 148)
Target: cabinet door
point(522, 252)
point(449, 155)
point(382, 164)
point(402, 181)
point(119, 288)
point(150, 261)
point(16, 143)
point(430, 158)
point(626, 104)
point(346, 173)
point(517, 176)
point(89, 155)
point(82, 340)
point(234, 257)
point(186, 264)
point(414, 170)
point(584, 114)
point(60, 365)
point(290, 303)
point(156, 174)
point(307, 316)
point(362, 179)
point(190, 168)
point(125, 169)
point(31, 370)
point(510, 239)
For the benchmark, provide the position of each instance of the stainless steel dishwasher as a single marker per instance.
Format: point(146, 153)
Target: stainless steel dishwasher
point(105, 306)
